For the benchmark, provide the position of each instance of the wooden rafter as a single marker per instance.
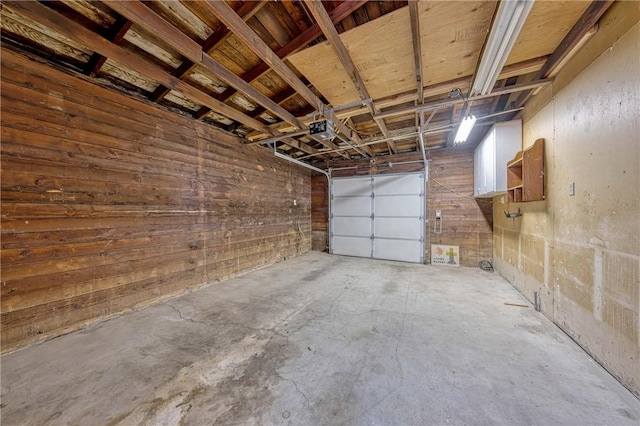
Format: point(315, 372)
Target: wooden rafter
point(155, 24)
point(414, 17)
point(240, 28)
point(76, 32)
point(246, 11)
point(117, 33)
point(589, 18)
point(302, 40)
point(329, 30)
point(417, 46)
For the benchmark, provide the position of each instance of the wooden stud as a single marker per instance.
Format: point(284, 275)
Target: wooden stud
point(118, 32)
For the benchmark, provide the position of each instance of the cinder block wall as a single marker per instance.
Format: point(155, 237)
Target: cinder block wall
point(110, 203)
point(581, 253)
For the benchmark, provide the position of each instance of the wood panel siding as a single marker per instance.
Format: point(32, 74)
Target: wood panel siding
point(466, 221)
point(319, 213)
point(110, 203)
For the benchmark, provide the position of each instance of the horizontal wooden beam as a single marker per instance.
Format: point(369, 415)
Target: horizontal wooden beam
point(228, 16)
point(451, 102)
point(240, 28)
point(300, 41)
point(141, 15)
point(329, 30)
point(118, 31)
point(76, 32)
point(589, 18)
point(586, 22)
point(246, 11)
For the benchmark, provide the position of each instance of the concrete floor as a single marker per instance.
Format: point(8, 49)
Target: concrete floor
point(320, 339)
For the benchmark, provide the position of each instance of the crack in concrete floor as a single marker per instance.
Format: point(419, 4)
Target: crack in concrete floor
point(352, 341)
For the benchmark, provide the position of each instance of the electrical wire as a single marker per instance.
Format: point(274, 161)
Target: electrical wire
point(449, 189)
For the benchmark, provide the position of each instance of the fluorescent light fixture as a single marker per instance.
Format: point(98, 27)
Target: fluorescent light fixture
point(465, 129)
point(505, 29)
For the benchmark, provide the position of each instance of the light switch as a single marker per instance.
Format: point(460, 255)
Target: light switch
point(572, 189)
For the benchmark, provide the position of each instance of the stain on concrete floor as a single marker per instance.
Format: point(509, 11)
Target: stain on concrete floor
point(320, 339)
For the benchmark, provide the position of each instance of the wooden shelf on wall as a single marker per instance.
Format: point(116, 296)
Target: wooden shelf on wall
point(525, 174)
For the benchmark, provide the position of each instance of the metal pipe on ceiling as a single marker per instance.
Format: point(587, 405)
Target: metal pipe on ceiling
point(433, 131)
point(423, 127)
point(300, 163)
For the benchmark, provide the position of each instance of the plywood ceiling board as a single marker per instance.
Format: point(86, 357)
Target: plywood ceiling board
point(452, 35)
point(382, 51)
point(321, 66)
point(547, 24)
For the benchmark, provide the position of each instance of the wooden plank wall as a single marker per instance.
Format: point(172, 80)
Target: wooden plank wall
point(110, 203)
point(466, 221)
point(319, 213)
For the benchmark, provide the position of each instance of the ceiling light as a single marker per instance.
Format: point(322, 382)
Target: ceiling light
point(465, 129)
point(505, 29)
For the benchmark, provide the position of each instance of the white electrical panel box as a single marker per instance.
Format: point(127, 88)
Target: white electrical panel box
point(490, 159)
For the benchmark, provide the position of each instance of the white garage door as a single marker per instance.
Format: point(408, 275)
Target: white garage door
point(379, 216)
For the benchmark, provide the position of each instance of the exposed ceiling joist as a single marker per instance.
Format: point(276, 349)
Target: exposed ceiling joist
point(141, 15)
point(118, 31)
point(246, 11)
point(93, 41)
point(227, 15)
point(586, 22)
point(225, 60)
point(417, 46)
point(414, 17)
point(462, 83)
point(302, 40)
point(329, 30)
point(589, 18)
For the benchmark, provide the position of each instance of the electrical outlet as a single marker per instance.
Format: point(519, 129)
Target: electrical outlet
point(572, 189)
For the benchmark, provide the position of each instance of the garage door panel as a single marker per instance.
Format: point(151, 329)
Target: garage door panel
point(398, 184)
point(389, 207)
point(401, 205)
point(356, 226)
point(409, 228)
point(407, 251)
point(351, 206)
point(352, 187)
point(351, 246)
